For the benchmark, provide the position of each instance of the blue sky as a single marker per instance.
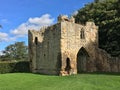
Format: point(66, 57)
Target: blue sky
point(17, 16)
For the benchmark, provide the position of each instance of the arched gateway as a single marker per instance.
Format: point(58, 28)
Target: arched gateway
point(82, 58)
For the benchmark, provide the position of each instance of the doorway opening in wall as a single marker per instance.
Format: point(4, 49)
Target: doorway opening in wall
point(68, 66)
point(82, 59)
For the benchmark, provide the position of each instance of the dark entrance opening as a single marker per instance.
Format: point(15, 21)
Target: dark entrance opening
point(68, 66)
point(82, 58)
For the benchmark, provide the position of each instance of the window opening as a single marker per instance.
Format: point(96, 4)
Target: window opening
point(36, 40)
point(82, 34)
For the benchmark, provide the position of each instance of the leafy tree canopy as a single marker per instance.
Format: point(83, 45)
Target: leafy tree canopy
point(17, 51)
point(105, 14)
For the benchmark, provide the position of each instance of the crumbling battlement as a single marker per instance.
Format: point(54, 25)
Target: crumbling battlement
point(62, 18)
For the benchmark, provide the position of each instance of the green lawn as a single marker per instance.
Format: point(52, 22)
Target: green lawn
point(27, 81)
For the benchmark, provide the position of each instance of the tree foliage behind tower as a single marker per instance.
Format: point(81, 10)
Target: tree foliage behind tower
point(105, 14)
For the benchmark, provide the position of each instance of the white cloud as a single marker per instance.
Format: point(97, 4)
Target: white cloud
point(32, 23)
point(75, 13)
point(22, 30)
point(5, 37)
point(3, 34)
point(43, 20)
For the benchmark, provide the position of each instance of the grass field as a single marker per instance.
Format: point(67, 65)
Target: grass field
point(27, 81)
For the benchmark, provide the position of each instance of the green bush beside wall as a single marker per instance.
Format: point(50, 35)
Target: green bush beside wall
point(10, 67)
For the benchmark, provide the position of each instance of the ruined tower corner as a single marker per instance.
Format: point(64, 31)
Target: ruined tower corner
point(62, 18)
point(91, 24)
point(30, 32)
point(72, 19)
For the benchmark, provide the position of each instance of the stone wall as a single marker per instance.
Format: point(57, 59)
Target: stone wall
point(71, 43)
point(106, 63)
point(69, 48)
point(44, 49)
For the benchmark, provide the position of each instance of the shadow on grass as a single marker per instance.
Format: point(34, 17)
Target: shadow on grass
point(92, 73)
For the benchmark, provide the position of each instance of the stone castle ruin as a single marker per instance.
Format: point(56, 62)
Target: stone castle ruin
point(68, 48)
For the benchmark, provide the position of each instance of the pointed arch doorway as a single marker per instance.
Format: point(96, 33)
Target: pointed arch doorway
point(82, 58)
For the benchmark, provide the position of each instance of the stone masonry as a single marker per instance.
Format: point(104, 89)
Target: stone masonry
point(68, 48)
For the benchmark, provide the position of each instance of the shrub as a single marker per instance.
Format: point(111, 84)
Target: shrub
point(10, 67)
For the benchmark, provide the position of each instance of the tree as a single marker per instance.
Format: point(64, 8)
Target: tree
point(105, 14)
point(17, 51)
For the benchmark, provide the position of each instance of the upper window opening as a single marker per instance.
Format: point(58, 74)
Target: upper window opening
point(36, 40)
point(82, 34)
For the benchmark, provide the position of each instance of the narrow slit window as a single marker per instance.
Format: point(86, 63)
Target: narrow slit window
point(82, 34)
point(36, 40)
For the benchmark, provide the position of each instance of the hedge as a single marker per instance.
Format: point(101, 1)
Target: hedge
point(11, 67)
